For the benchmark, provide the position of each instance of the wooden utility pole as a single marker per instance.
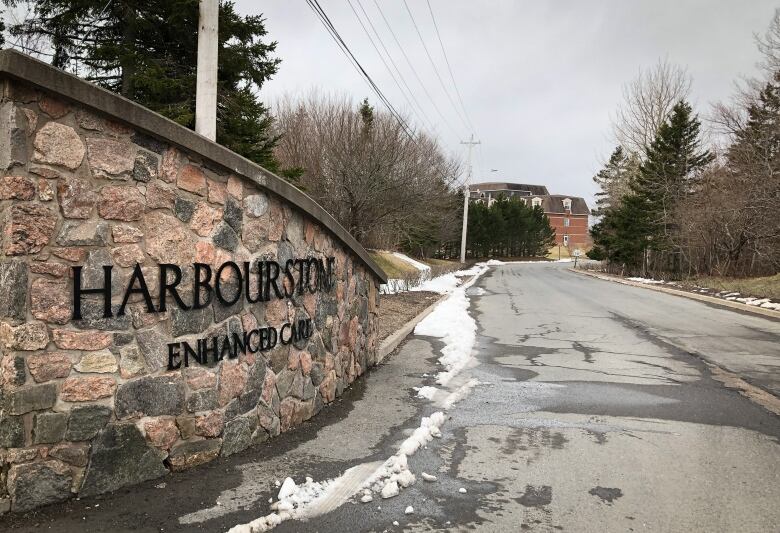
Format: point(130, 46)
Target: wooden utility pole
point(466, 194)
point(206, 82)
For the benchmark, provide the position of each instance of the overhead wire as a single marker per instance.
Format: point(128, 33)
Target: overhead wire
point(414, 71)
point(384, 62)
point(395, 65)
point(329, 26)
point(435, 70)
point(449, 67)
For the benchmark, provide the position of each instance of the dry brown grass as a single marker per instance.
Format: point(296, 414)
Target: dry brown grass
point(762, 287)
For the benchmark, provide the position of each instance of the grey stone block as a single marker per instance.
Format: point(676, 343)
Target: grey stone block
point(13, 279)
point(86, 421)
point(145, 167)
point(34, 398)
point(150, 396)
point(233, 214)
point(237, 435)
point(120, 456)
point(11, 432)
point(183, 209)
point(190, 321)
point(225, 237)
point(35, 484)
point(13, 136)
point(202, 400)
point(49, 427)
point(91, 233)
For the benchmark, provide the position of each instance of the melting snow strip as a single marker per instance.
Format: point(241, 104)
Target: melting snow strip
point(310, 499)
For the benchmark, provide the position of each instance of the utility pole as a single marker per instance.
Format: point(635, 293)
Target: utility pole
point(466, 193)
point(206, 80)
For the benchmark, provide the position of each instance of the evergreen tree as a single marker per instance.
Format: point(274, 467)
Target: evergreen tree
point(508, 228)
point(646, 218)
point(669, 171)
point(147, 51)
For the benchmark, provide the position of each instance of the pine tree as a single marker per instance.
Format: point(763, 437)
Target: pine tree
point(509, 228)
point(147, 51)
point(669, 171)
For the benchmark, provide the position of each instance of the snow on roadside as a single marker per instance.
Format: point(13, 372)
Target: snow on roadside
point(455, 326)
point(426, 392)
point(647, 281)
point(451, 322)
point(731, 296)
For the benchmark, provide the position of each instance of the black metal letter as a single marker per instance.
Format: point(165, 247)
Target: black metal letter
point(105, 290)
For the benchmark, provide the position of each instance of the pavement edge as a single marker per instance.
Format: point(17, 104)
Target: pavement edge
point(392, 341)
point(685, 294)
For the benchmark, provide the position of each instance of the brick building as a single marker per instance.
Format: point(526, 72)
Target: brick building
point(568, 214)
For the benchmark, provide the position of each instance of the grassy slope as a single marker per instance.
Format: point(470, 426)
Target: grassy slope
point(399, 269)
point(394, 267)
point(441, 263)
point(766, 287)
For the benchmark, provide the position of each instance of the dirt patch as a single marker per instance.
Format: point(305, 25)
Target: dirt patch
point(395, 310)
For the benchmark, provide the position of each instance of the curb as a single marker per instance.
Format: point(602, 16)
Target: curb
point(392, 341)
point(685, 294)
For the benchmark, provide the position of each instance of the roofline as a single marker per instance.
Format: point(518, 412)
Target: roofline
point(21, 67)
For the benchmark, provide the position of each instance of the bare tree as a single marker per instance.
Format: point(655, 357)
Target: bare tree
point(647, 101)
point(769, 45)
point(360, 164)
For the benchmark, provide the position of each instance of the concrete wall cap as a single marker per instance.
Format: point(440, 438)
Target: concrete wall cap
point(21, 67)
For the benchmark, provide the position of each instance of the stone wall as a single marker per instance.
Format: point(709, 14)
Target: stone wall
point(88, 405)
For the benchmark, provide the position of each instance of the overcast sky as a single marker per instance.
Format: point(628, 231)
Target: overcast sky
point(539, 79)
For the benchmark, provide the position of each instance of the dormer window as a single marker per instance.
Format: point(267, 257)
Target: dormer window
point(567, 204)
point(536, 202)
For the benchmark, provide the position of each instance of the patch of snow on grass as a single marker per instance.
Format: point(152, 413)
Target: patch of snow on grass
point(647, 281)
point(440, 284)
point(416, 264)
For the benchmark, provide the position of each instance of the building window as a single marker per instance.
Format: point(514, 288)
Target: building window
point(536, 202)
point(566, 240)
point(567, 204)
point(566, 222)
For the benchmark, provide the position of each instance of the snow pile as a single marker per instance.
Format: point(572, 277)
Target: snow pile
point(426, 392)
point(450, 321)
point(292, 500)
point(440, 284)
point(394, 474)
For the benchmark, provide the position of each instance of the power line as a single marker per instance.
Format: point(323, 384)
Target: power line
point(449, 68)
point(371, 40)
point(395, 66)
point(414, 71)
point(315, 6)
point(435, 70)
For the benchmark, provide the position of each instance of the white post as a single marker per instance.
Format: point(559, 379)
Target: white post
point(206, 81)
point(466, 194)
